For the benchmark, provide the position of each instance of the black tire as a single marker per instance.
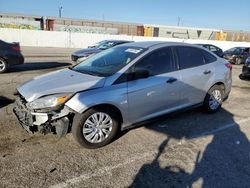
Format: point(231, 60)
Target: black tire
point(242, 77)
point(80, 119)
point(206, 104)
point(238, 61)
point(3, 65)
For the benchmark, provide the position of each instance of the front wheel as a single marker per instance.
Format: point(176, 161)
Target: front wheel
point(213, 100)
point(95, 128)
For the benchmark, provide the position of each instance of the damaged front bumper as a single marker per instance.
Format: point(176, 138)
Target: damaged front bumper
point(57, 122)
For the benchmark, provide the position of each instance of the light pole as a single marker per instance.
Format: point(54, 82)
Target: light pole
point(60, 11)
point(179, 20)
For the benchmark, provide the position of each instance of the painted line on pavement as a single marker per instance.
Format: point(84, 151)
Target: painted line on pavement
point(83, 177)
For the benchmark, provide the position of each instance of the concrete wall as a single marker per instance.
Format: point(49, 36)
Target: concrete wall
point(82, 40)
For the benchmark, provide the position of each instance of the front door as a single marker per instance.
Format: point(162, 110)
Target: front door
point(157, 94)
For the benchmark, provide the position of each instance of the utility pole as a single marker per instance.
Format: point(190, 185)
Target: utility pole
point(60, 11)
point(179, 20)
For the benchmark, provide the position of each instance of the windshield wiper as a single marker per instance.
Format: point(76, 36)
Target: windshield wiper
point(88, 72)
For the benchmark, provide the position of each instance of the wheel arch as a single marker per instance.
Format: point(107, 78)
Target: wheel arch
point(107, 106)
point(219, 83)
point(4, 58)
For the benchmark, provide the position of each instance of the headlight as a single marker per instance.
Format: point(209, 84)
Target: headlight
point(49, 101)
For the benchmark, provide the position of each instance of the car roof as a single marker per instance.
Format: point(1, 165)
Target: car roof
point(240, 47)
point(125, 41)
point(149, 44)
point(205, 44)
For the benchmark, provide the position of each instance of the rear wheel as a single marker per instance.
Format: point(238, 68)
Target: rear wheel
point(95, 128)
point(213, 99)
point(3, 65)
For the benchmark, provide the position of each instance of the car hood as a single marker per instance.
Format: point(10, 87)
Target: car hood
point(87, 51)
point(63, 81)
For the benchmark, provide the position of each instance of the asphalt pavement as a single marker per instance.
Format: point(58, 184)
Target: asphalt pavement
point(47, 54)
point(188, 149)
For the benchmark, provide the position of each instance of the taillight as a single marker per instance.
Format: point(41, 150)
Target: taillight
point(229, 65)
point(16, 48)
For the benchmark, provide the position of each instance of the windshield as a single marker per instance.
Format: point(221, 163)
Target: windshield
point(105, 45)
point(109, 61)
point(235, 50)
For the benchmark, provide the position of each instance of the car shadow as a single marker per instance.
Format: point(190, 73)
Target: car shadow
point(223, 163)
point(4, 101)
point(37, 66)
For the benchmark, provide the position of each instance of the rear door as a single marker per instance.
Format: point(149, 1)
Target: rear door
point(196, 73)
point(158, 93)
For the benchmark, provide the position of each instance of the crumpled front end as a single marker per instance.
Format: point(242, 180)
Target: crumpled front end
point(56, 122)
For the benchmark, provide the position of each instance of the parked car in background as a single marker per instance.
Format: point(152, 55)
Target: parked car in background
point(10, 55)
point(216, 50)
point(83, 54)
point(237, 55)
point(246, 69)
point(123, 86)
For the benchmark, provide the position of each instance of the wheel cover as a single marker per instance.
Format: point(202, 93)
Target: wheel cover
point(2, 65)
point(97, 127)
point(215, 99)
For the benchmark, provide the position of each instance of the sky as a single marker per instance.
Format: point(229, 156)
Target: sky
point(215, 14)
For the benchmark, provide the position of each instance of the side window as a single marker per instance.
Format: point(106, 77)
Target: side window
point(189, 57)
point(158, 62)
point(213, 49)
point(208, 57)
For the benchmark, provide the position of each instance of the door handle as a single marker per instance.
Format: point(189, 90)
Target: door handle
point(171, 80)
point(207, 72)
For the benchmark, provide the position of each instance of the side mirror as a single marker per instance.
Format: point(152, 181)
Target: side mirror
point(140, 74)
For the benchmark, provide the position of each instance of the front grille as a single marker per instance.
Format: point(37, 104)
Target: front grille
point(23, 115)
